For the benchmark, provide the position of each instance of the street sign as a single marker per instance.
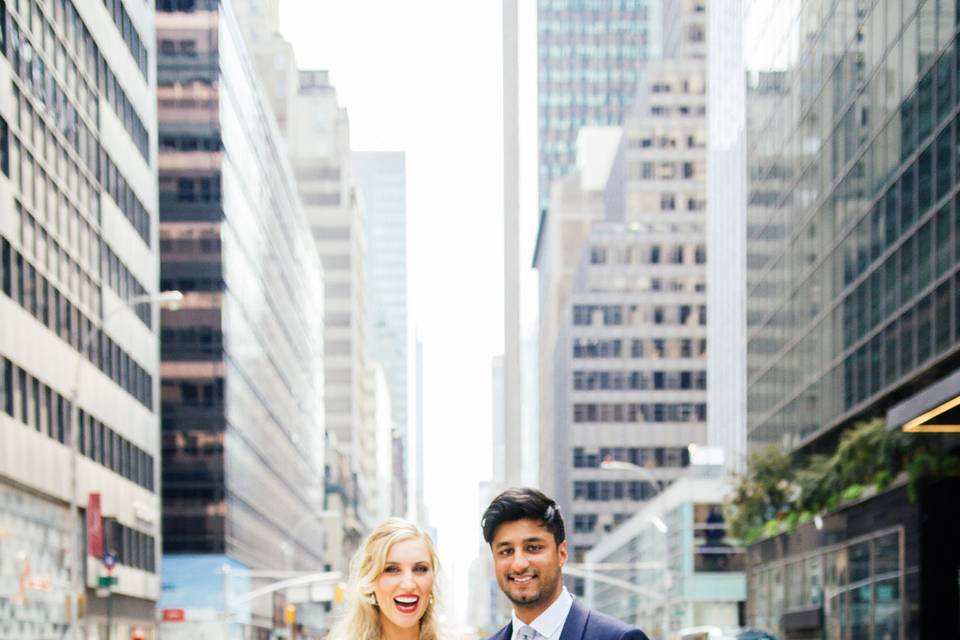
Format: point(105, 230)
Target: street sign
point(110, 560)
point(105, 582)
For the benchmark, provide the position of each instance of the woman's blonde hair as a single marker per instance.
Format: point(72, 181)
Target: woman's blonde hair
point(360, 619)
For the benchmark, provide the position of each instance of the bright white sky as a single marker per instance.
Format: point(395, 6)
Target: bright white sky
point(425, 77)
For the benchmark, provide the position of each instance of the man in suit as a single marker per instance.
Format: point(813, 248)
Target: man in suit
point(525, 532)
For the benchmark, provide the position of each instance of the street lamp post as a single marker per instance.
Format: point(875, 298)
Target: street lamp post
point(168, 300)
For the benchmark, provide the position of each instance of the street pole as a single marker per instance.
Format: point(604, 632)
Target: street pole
point(76, 555)
point(109, 611)
point(226, 600)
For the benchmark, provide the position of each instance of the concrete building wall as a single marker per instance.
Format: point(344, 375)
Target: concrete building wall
point(319, 147)
point(78, 230)
point(726, 235)
point(622, 255)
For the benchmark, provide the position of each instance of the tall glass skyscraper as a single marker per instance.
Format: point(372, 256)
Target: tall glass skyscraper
point(589, 54)
point(851, 220)
point(242, 387)
point(380, 179)
point(853, 278)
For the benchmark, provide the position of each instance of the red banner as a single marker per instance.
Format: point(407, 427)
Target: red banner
point(94, 526)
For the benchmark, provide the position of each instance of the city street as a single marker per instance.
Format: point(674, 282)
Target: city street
point(500, 320)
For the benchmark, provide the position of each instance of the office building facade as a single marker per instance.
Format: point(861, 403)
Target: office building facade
point(852, 293)
point(623, 257)
point(380, 180)
point(242, 389)
point(589, 56)
point(319, 147)
point(316, 130)
point(78, 229)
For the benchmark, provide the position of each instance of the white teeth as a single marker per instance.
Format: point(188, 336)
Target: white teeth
point(407, 600)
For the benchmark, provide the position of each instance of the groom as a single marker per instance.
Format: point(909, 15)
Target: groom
point(525, 532)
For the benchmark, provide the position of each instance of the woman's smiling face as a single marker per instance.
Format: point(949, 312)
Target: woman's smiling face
point(403, 589)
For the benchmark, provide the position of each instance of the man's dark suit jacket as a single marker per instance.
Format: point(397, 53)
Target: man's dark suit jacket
point(584, 624)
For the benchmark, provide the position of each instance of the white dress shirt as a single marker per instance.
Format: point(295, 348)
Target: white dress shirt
point(549, 624)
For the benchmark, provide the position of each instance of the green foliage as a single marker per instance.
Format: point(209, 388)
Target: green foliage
point(779, 493)
point(762, 495)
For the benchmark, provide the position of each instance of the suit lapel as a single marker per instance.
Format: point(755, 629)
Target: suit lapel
point(576, 622)
point(505, 633)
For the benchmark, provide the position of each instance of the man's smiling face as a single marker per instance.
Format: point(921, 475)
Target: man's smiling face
point(528, 563)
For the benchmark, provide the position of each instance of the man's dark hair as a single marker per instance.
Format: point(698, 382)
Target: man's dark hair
point(523, 503)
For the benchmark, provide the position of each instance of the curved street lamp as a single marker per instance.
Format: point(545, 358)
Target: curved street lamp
point(609, 464)
point(165, 299)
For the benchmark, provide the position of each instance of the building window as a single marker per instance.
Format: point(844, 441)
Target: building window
point(4, 142)
point(6, 387)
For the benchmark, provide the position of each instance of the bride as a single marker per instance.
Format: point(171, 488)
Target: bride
point(393, 587)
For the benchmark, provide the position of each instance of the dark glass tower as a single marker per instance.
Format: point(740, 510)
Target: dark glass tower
point(242, 364)
point(854, 297)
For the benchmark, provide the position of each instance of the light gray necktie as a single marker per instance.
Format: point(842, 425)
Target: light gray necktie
point(526, 632)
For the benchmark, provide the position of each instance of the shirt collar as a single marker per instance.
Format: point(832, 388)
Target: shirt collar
point(549, 622)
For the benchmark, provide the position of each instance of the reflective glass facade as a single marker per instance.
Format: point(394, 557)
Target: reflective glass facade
point(853, 210)
point(242, 381)
point(589, 58)
point(380, 178)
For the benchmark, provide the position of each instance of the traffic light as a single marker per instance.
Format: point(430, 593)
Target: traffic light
point(290, 613)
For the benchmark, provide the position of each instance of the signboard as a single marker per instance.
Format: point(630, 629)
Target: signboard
point(94, 526)
point(110, 560)
point(174, 615)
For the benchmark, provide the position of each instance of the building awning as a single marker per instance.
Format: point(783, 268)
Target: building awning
point(936, 409)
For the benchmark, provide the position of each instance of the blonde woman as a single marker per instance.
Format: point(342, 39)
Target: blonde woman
point(393, 588)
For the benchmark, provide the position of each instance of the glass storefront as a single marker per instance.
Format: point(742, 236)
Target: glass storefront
point(33, 567)
point(855, 588)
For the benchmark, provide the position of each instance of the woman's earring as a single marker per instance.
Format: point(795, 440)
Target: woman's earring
point(431, 598)
point(373, 599)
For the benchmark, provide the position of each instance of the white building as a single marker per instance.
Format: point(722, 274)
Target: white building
point(78, 229)
point(319, 146)
point(387, 488)
point(417, 508)
point(675, 553)
point(578, 202)
point(317, 133)
point(726, 234)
